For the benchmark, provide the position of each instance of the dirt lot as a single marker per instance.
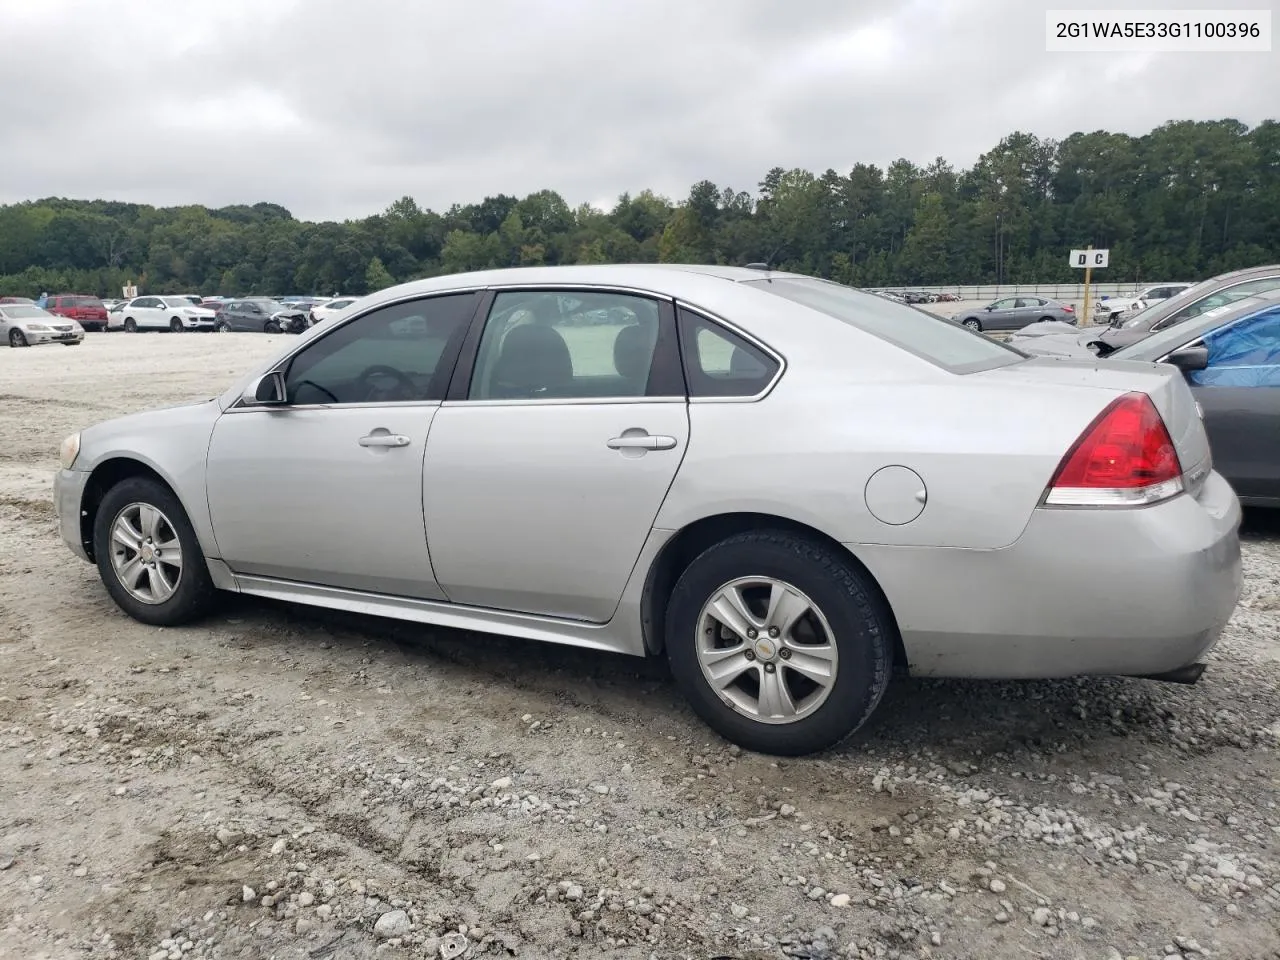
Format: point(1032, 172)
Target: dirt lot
point(285, 783)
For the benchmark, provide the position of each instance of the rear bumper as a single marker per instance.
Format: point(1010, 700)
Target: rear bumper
point(68, 492)
point(1083, 592)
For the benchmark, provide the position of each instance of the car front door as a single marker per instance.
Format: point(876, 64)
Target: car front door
point(547, 465)
point(1239, 392)
point(1002, 315)
point(327, 488)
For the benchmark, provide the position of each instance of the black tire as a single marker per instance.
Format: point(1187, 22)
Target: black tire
point(175, 325)
point(1047, 320)
point(221, 327)
point(17, 338)
point(859, 620)
point(973, 323)
point(195, 593)
point(271, 327)
point(130, 325)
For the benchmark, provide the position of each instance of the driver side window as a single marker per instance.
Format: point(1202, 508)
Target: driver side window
point(402, 353)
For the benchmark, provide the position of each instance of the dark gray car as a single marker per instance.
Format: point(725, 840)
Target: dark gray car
point(1222, 290)
point(1230, 356)
point(260, 315)
point(1014, 313)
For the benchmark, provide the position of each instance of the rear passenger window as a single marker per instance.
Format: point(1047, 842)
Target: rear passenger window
point(719, 363)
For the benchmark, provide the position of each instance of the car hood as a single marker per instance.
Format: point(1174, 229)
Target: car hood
point(1043, 328)
point(1068, 345)
point(55, 321)
point(202, 312)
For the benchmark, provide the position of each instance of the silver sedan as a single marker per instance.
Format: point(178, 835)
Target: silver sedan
point(25, 325)
point(784, 486)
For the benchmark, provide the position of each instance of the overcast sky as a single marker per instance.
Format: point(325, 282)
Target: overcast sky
point(335, 108)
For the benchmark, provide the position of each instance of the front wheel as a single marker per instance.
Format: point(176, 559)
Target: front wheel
point(130, 325)
point(271, 327)
point(221, 327)
point(779, 643)
point(148, 556)
point(973, 324)
point(175, 325)
point(17, 338)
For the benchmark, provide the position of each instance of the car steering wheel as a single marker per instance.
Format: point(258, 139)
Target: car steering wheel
point(373, 392)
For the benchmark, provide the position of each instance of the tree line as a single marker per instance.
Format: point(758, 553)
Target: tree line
point(1184, 201)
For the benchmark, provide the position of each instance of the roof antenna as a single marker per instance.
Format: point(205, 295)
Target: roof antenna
point(768, 261)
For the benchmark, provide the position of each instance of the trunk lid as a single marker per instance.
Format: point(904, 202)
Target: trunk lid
point(1164, 384)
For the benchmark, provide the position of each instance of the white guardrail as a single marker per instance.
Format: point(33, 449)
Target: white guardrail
point(1067, 292)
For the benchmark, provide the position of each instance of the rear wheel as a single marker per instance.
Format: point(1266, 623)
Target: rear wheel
point(148, 555)
point(973, 324)
point(130, 325)
point(17, 338)
point(779, 643)
point(1045, 320)
point(175, 325)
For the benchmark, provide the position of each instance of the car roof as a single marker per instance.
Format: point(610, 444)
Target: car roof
point(1158, 344)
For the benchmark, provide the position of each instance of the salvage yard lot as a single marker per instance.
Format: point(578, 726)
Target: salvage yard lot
point(277, 779)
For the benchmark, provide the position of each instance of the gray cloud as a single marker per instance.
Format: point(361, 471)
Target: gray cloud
point(335, 108)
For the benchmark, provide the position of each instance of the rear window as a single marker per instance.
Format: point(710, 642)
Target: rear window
point(941, 342)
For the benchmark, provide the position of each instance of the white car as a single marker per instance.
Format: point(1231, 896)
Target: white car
point(25, 325)
point(330, 309)
point(1106, 310)
point(164, 313)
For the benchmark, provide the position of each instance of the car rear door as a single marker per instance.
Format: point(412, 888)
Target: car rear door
point(565, 425)
point(1239, 393)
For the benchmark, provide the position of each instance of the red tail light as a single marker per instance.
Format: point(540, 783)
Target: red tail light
point(1068, 308)
point(1125, 458)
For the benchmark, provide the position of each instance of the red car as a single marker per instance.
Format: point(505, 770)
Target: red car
point(88, 311)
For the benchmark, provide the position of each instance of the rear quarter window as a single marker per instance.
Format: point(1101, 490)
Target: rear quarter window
point(938, 341)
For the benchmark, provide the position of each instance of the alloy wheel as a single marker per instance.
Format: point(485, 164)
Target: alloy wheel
point(146, 554)
point(766, 650)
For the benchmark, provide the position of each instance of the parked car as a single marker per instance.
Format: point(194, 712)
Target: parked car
point(1014, 313)
point(587, 483)
point(26, 300)
point(85, 310)
point(260, 315)
point(330, 309)
point(25, 325)
point(1231, 358)
point(115, 315)
point(916, 296)
point(1207, 295)
point(165, 313)
point(950, 297)
point(1108, 309)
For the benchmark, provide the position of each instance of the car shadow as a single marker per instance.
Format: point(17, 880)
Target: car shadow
point(957, 720)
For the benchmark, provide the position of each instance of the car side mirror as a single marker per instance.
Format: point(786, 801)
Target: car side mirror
point(1189, 359)
point(989, 307)
point(267, 391)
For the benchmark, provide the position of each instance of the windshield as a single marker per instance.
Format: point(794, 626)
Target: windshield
point(1158, 344)
point(176, 301)
point(22, 311)
point(941, 342)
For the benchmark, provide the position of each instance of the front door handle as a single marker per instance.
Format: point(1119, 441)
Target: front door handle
point(384, 440)
point(642, 441)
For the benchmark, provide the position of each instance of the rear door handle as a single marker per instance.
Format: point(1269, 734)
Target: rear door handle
point(384, 440)
point(642, 442)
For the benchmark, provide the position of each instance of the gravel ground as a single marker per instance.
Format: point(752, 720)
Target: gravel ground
point(279, 782)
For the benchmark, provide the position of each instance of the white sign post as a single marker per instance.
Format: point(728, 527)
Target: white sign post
point(1089, 259)
point(129, 291)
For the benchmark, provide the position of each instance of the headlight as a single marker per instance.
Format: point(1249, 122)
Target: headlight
point(69, 450)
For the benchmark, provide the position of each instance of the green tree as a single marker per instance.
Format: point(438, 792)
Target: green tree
point(377, 277)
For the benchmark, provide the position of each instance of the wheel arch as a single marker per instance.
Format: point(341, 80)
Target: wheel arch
point(102, 478)
point(690, 541)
